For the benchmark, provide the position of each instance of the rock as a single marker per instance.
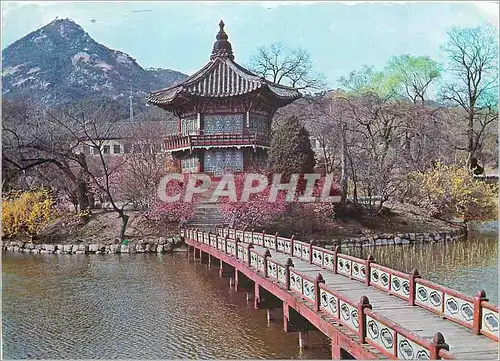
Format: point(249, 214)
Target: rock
point(405, 241)
point(44, 251)
point(16, 248)
point(67, 248)
point(29, 246)
point(153, 247)
point(58, 251)
point(168, 247)
point(83, 247)
point(10, 248)
point(38, 246)
point(93, 248)
point(139, 248)
point(80, 252)
point(177, 239)
point(114, 248)
point(160, 248)
point(50, 247)
point(412, 236)
point(74, 249)
point(147, 248)
point(124, 248)
point(397, 240)
point(162, 240)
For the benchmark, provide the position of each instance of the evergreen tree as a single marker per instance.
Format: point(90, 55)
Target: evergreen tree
point(290, 150)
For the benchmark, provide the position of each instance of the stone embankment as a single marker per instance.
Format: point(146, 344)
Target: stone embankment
point(163, 244)
point(385, 239)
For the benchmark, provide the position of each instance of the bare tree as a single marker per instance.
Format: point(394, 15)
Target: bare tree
point(291, 67)
point(473, 54)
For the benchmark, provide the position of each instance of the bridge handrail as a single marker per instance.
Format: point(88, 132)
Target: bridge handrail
point(488, 313)
point(404, 338)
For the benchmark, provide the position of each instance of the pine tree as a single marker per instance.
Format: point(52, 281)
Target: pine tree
point(290, 150)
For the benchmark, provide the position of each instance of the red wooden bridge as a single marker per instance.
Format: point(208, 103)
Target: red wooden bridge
point(368, 311)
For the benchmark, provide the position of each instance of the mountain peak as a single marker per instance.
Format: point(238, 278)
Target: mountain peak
point(59, 63)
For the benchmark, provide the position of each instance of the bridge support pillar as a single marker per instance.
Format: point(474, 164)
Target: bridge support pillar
point(271, 314)
point(236, 279)
point(335, 348)
point(303, 339)
point(256, 298)
point(231, 282)
point(209, 260)
point(250, 296)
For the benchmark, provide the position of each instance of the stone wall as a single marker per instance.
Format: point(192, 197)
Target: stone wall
point(161, 245)
point(385, 239)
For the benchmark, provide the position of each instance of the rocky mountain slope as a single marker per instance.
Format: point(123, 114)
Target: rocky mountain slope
point(60, 63)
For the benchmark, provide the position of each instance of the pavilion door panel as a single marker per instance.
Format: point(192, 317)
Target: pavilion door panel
point(223, 160)
point(223, 124)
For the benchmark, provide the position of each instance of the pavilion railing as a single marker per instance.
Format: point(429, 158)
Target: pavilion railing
point(206, 140)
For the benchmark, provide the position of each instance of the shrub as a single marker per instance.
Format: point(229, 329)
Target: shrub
point(451, 191)
point(27, 213)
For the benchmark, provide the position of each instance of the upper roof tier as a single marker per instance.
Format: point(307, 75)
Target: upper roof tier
point(222, 77)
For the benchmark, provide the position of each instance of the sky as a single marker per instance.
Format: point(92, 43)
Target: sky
point(340, 36)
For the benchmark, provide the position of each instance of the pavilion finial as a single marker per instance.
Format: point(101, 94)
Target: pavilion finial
point(222, 47)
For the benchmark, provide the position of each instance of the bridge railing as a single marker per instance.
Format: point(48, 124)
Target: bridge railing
point(471, 312)
point(371, 327)
point(395, 341)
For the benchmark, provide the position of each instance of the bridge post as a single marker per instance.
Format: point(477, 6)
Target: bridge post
point(256, 296)
point(250, 246)
point(311, 243)
point(438, 343)
point(292, 239)
point(363, 304)
point(476, 321)
point(236, 241)
point(236, 279)
point(317, 282)
point(289, 263)
point(209, 260)
point(266, 255)
point(368, 262)
point(276, 241)
point(225, 243)
point(414, 275)
point(303, 339)
point(336, 251)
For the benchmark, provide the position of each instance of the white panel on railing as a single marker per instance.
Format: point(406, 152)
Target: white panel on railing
point(272, 269)
point(220, 231)
point(400, 286)
point(248, 237)
point(240, 252)
point(349, 315)
point(253, 259)
point(232, 233)
point(239, 234)
point(317, 257)
point(258, 239)
point(379, 278)
point(297, 250)
point(308, 288)
point(296, 282)
point(358, 271)
point(458, 309)
point(409, 350)
point(280, 244)
point(213, 241)
point(183, 232)
point(329, 303)
point(220, 243)
point(305, 252)
point(206, 238)
point(343, 266)
point(329, 261)
point(261, 263)
point(380, 334)
point(429, 297)
point(288, 246)
point(489, 324)
point(281, 274)
point(269, 241)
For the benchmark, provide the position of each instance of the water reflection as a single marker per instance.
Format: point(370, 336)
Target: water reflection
point(466, 266)
point(133, 306)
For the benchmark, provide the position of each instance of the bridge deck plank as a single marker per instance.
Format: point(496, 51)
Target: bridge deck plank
point(463, 343)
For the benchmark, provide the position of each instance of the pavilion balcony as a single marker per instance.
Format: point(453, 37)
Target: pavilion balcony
point(206, 141)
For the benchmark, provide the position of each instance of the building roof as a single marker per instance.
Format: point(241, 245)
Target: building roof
point(223, 77)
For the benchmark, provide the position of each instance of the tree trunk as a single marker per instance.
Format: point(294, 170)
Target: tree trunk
point(470, 136)
point(343, 177)
point(124, 218)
